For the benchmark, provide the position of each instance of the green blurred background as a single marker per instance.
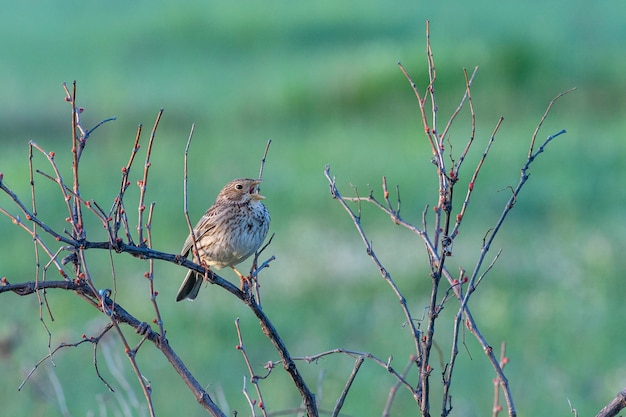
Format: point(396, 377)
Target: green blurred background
point(320, 80)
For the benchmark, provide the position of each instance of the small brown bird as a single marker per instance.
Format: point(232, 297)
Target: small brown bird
point(229, 232)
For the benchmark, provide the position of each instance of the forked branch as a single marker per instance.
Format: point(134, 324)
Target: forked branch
point(445, 229)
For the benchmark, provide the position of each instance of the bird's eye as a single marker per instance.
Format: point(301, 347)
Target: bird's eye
point(239, 186)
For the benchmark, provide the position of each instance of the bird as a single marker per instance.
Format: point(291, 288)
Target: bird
point(231, 230)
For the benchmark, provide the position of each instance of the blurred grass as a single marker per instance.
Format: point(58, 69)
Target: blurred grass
point(321, 81)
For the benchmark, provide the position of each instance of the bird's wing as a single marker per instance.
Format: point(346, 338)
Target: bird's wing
point(205, 225)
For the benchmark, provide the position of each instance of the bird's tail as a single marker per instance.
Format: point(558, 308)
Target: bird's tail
point(190, 287)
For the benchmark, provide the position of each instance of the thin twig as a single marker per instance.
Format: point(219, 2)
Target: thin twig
point(496, 383)
point(355, 354)
point(59, 180)
point(118, 212)
point(95, 354)
point(90, 204)
point(471, 185)
point(194, 246)
point(394, 389)
point(76, 215)
point(41, 295)
point(143, 183)
point(346, 388)
point(250, 401)
point(254, 378)
point(150, 275)
point(108, 307)
point(429, 133)
point(543, 118)
point(415, 332)
point(93, 339)
point(18, 221)
point(467, 96)
point(267, 148)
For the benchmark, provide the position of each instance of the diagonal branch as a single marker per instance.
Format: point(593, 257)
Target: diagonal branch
point(121, 315)
point(615, 406)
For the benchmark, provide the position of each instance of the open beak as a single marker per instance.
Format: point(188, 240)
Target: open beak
point(254, 191)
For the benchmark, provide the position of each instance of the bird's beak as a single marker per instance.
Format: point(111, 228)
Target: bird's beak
point(254, 191)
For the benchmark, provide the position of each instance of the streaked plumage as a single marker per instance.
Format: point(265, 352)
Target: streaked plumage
point(231, 230)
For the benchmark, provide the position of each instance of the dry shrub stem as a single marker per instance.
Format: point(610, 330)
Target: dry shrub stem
point(439, 239)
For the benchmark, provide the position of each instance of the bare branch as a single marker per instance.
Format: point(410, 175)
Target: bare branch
point(150, 274)
point(394, 389)
point(543, 118)
point(355, 354)
point(466, 97)
point(416, 334)
point(186, 193)
point(94, 339)
point(118, 212)
point(267, 148)
point(344, 393)
point(496, 382)
point(615, 406)
point(143, 183)
point(254, 378)
point(470, 187)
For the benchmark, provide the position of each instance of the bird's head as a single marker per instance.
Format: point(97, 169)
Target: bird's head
point(241, 190)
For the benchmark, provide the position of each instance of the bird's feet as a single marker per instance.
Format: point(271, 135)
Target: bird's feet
point(246, 283)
